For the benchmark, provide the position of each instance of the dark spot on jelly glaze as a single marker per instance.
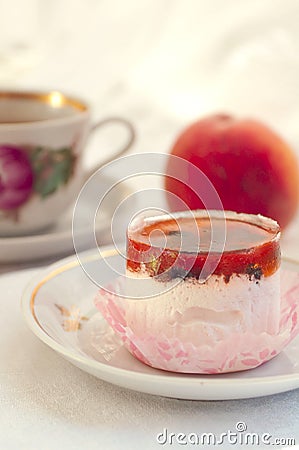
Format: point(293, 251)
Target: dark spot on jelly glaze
point(254, 271)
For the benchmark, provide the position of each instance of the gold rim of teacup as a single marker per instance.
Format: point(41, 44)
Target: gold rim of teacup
point(56, 99)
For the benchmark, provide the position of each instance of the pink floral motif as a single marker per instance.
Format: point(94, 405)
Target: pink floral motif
point(29, 170)
point(236, 352)
point(16, 177)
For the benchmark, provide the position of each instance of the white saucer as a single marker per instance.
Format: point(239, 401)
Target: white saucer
point(59, 308)
point(58, 240)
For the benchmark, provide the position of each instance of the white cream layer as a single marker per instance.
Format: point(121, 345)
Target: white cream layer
point(206, 312)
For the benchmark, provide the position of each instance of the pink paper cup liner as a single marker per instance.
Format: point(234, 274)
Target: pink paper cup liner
point(238, 351)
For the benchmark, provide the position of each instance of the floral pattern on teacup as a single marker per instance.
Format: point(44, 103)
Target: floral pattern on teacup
point(31, 170)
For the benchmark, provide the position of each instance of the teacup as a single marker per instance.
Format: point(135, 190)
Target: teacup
point(42, 141)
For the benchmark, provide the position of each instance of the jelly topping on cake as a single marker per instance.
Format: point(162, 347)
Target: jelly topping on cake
point(170, 245)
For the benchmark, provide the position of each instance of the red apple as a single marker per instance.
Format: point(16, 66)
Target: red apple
point(252, 168)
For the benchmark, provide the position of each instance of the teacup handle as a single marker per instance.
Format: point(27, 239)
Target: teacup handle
point(123, 149)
